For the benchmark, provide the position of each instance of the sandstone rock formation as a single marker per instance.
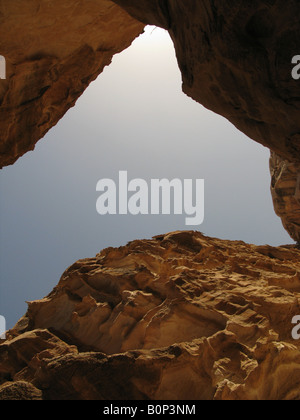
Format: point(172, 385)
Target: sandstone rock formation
point(285, 188)
point(53, 51)
point(182, 316)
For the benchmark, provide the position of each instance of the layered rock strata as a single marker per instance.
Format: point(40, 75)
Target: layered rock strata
point(182, 316)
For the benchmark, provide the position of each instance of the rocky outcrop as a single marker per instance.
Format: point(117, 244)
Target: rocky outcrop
point(236, 59)
point(182, 316)
point(53, 50)
point(285, 188)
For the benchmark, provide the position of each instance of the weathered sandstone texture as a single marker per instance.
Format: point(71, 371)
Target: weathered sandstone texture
point(53, 50)
point(235, 58)
point(285, 188)
point(182, 316)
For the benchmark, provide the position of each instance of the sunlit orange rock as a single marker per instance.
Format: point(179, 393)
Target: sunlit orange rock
point(182, 316)
point(53, 50)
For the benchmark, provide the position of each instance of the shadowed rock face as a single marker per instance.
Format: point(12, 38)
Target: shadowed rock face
point(53, 51)
point(181, 316)
point(285, 188)
point(235, 59)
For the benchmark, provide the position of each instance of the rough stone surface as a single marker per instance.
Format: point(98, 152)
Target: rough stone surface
point(182, 316)
point(53, 50)
point(285, 188)
point(235, 59)
point(19, 391)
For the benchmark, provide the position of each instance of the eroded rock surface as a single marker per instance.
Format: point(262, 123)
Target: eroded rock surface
point(182, 316)
point(53, 50)
point(285, 188)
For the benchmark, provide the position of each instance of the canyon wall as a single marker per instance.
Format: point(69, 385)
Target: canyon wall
point(285, 189)
point(53, 50)
point(181, 316)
